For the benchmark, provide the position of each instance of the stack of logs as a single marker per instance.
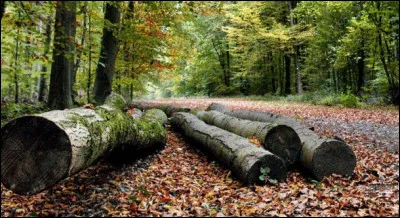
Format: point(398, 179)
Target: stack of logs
point(38, 151)
point(286, 143)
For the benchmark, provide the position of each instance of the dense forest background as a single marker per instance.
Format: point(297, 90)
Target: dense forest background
point(71, 53)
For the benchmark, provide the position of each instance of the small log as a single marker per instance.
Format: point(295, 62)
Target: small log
point(320, 155)
point(168, 109)
point(38, 151)
point(235, 152)
point(281, 140)
point(217, 107)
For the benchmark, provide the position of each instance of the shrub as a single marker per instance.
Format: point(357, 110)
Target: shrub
point(349, 100)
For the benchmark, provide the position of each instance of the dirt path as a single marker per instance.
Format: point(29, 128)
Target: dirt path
point(379, 128)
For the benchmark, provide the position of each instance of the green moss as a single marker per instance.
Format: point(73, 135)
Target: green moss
point(123, 130)
point(115, 101)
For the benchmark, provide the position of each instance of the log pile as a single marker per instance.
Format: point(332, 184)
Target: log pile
point(40, 150)
point(281, 140)
point(243, 158)
point(320, 156)
point(168, 109)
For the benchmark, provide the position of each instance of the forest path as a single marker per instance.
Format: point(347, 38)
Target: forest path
point(379, 127)
point(180, 180)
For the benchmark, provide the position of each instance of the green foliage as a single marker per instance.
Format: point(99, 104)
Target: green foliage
point(10, 111)
point(349, 100)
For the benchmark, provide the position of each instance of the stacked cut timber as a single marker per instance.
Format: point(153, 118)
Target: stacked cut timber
point(168, 109)
point(40, 150)
point(243, 158)
point(321, 156)
point(279, 139)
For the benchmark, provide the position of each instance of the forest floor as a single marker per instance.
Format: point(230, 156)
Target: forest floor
point(180, 180)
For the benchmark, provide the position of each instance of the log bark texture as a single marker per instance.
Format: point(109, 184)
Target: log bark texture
point(168, 109)
point(38, 151)
point(281, 140)
point(321, 156)
point(235, 152)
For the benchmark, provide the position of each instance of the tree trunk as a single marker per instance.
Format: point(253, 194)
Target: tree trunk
point(168, 109)
point(281, 140)
point(3, 8)
point(108, 55)
point(61, 68)
point(80, 50)
point(43, 83)
point(38, 151)
point(321, 156)
point(287, 74)
point(243, 158)
point(16, 66)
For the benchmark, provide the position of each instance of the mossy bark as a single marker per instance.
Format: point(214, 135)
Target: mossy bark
point(281, 140)
point(235, 152)
point(168, 109)
point(40, 150)
point(320, 155)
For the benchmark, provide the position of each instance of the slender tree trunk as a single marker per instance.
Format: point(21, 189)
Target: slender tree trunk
point(90, 59)
point(108, 55)
point(80, 50)
point(61, 69)
point(360, 63)
point(3, 8)
point(299, 89)
point(281, 75)
point(228, 65)
point(16, 66)
point(287, 75)
point(43, 79)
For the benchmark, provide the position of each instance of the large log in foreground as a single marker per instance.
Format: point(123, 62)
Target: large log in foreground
point(168, 109)
point(321, 156)
point(38, 151)
point(243, 158)
point(281, 140)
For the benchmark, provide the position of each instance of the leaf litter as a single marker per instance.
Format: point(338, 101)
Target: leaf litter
point(181, 180)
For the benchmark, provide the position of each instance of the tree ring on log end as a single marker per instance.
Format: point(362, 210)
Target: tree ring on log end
point(333, 157)
point(35, 154)
point(284, 142)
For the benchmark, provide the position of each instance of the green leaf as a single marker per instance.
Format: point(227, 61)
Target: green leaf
point(265, 170)
point(261, 177)
point(145, 192)
point(273, 181)
point(33, 214)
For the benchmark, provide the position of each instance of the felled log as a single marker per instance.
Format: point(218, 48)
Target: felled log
point(281, 140)
point(168, 109)
point(38, 151)
point(235, 152)
point(321, 156)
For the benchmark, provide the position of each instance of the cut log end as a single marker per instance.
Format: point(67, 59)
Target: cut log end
point(285, 143)
point(35, 153)
point(277, 168)
point(333, 157)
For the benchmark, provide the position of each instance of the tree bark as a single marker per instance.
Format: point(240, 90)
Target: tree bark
point(38, 151)
point(287, 74)
point(43, 83)
point(321, 156)
point(243, 158)
point(108, 55)
point(281, 140)
point(61, 68)
point(168, 109)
